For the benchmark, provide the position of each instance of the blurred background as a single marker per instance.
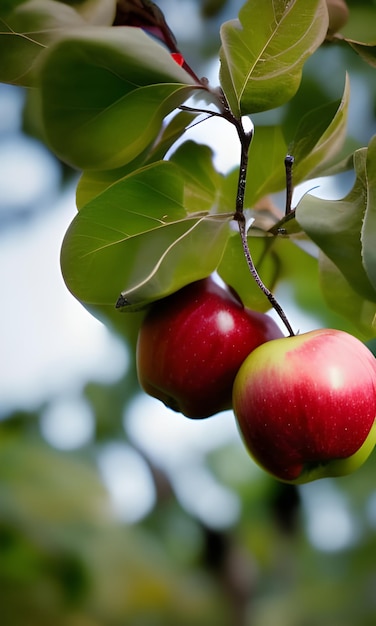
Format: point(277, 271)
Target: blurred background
point(115, 511)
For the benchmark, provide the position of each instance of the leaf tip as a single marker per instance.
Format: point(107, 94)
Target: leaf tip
point(121, 302)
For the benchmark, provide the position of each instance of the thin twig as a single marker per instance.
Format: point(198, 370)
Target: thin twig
point(275, 304)
point(245, 142)
point(289, 161)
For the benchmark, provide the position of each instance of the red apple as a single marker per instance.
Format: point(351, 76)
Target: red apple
point(306, 405)
point(192, 343)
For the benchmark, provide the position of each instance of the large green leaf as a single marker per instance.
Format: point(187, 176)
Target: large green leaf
point(365, 50)
point(319, 136)
point(266, 172)
point(263, 52)
point(25, 34)
point(202, 181)
point(336, 226)
point(345, 300)
point(137, 238)
point(98, 12)
point(369, 223)
point(7, 6)
point(105, 93)
point(171, 132)
point(93, 182)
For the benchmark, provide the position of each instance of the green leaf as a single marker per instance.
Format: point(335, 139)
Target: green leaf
point(136, 238)
point(7, 6)
point(336, 226)
point(287, 225)
point(105, 93)
point(187, 251)
point(343, 162)
point(263, 52)
point(345, 300)
point(361, 24)
point(171, 132)
point(202, 181)
point(319, 136)
point(369, 223)
point(26, 33)
point(266, 172)
point(96, 12)
point(234, 269)
point(55, 486)
point(93, 182)
point(365, 50)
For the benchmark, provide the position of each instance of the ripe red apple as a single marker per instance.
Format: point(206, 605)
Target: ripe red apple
point(192, 343)
point(306, 405)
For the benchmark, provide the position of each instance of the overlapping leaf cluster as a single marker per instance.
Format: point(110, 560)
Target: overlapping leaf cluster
point(148, 224)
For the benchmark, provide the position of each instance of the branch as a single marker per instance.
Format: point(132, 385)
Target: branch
point(245, 138)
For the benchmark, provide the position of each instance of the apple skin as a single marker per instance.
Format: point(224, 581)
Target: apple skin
point(306, 405)
point(192, 343)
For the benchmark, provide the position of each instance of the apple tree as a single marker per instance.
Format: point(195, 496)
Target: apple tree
point(114, 96)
